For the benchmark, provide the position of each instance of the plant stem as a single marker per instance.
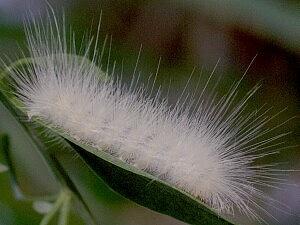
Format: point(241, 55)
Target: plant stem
point(65, 209)
point(47, 218)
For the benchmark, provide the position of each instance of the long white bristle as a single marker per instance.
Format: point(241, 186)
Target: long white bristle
point(208, 152)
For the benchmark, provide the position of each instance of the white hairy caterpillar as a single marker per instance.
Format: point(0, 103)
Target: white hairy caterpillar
point(206, 148)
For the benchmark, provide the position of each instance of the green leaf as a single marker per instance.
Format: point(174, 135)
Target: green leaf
point(23, 157)
point(145, 189)
point(3, 147)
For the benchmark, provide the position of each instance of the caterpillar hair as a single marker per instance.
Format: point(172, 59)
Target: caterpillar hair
point(207, 147)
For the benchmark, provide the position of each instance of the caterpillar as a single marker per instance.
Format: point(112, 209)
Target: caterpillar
point(206, 147)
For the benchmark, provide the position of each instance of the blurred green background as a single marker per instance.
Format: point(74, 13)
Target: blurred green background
point(184, 34)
